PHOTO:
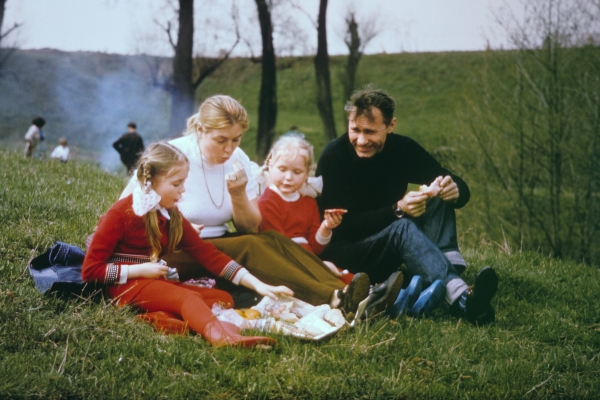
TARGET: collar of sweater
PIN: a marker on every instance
(287, 197)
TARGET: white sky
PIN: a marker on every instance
(127, 27)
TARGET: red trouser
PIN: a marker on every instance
(192, 303)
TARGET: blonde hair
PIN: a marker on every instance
(158, 160)
(290, 146)
(217, 112)
(62, 141)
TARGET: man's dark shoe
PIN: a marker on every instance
(383, 295)
(353, 294)
(478, 309)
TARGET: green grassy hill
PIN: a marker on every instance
(545, 343)
(89, 97)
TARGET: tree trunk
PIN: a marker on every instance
(353, 43)
(182, 91)
(2, 8)
(267, 109)
(324, 102)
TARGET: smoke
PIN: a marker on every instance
(98, 95)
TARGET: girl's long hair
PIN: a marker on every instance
(159, 159)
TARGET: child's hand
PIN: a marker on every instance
(332, 220)
(148, 270)
(334, 270)
(272, 291)
(252, 282)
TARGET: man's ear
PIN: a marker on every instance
(390, 127)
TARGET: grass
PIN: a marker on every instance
(545, 343)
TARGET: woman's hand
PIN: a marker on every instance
(237, 180)
(149, 270)
(197, 227)
(252, 282)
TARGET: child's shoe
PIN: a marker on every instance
(383, 295)
(407, 297)
(429, 299)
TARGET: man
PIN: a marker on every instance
(367, 172)
(130, 146)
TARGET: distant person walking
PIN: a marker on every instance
(61, 152)
(130, 146)
(34, 135)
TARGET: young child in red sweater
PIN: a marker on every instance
(148, 223)
(283, 207)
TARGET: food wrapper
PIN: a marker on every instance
(289, 316)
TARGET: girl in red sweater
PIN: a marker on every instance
(283, 207)
(148, 223)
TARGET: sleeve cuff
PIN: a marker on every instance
(123, 275)
(112, 273)
(239, 275)
(323, 240)
(230, 270)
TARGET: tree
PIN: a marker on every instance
(5, 52)
(536, 125)
(356, 39)
(267, 109)
(188, 71)
(324, 101)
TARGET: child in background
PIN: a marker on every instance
(285, 210)
(33, 136)
(61, 152)
(148, 223)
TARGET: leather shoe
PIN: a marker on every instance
(383, 295)
(478, 309)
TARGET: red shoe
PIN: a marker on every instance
(220, 333)
(165, 322)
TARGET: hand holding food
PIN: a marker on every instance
(449, 189)
(332, 220)
(340, 211)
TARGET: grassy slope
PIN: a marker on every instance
(545, 343)
(89, 97)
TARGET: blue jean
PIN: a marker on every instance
(419, 242)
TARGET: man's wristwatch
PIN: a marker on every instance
(398, 211)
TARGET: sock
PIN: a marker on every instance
(462, 301)
(335, 300)
(454, 289)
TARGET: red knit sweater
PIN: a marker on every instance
(296, 219)
(121, 231)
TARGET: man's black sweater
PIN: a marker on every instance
(369, 188)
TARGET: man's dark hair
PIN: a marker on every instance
(363, 101)
(132, 125)
(39, 122)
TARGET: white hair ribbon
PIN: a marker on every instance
(144, 202)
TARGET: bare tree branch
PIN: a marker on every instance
(14, 27)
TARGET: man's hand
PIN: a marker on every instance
(449, 190)
(413, 203)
